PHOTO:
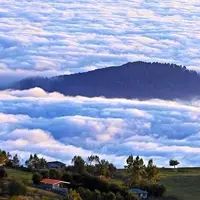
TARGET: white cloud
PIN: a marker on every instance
(54, 37)
(59, 127)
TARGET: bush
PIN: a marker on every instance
(44, 173)
(54, 174)
(110, 196)
(93, 183)
(131, 196)
(3, 173)
(67, 177)
(119, 196)
(16, 188)
(85, 194)
(73, 195)
(36, 178)
(96, 195)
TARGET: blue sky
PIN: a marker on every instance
(52, 37)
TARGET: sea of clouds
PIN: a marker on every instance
(51, 37)
(59, 127)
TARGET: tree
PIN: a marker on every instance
(103, 168)
(173, 163)
(34, 162)
(112, 169)
(36, 178)
(136, 168)
(73, 195)
(79, 164)
(3, 158)
(15, 161)
(93, 159)
(152, 172)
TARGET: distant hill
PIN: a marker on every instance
(132, 80)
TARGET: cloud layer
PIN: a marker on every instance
(59, 127)
(50, 37)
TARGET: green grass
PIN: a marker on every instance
(26, 178)
(183, 183)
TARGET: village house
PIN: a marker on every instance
(143, 195)
(57, 186)
(56, 165)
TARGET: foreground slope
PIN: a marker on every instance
(132, 80)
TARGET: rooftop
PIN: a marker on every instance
(52, 181)
(138, 191)
(56, 162)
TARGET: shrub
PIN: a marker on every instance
(85, 194)
(96, 195)
(73, 195)
(16, 188)
(119, 196)
(111, 196)
(67, 177)
(36, 178)
(3, 173)
(131, 196)
(44, 173)
(54, 174)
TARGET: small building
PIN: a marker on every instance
(56, 165)
(141, 193)
(57, 186)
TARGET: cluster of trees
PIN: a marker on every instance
(86, 194)
(9, 160)
(139, 172)
(93, 165)
(3, 157)
(90, 187)
(87, 185)
(34, 162)
(85, 176)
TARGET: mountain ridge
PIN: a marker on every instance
(140, 80)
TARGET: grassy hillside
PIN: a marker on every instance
(182, 184)
(26, 178)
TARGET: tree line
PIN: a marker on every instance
(90, 177)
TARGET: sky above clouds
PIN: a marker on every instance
(59, 127)
(51, 37)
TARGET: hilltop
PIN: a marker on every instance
(132, 80)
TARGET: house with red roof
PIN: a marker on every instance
(54, 185)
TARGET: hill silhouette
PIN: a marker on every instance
(132, 80)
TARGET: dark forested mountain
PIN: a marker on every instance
(132, 80)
